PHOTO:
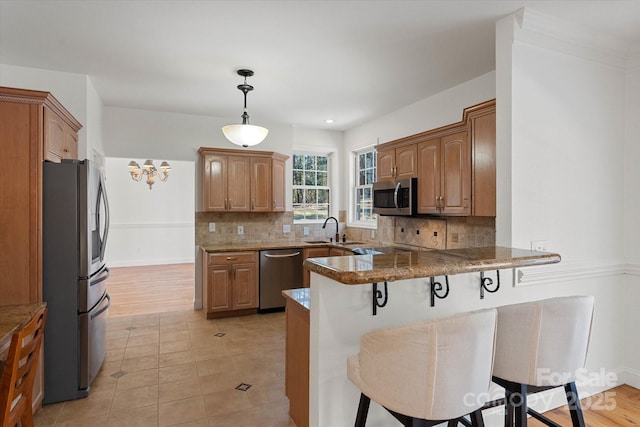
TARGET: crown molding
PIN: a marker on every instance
(540, 30)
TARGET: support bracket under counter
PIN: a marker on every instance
(377, 294)
(486, 282)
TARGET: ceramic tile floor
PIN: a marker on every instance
(177, 369)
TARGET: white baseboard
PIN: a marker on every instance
(142, 262)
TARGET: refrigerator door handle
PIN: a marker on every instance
(101, 277)
(102, 196)
(103, 309)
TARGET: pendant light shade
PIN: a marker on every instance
(245, 134)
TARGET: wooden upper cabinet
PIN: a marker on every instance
(483, 135)
(60, 140)
(444, 178)
(429, 170)
(214, 182)
(397, 163)
(386, 162)
(239, 184)
(261, 184)
(241, 181)
(406, 162)
(455, 164)
(278, 184)
(456, 175)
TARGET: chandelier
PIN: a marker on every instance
(149, 171)
(245, 134)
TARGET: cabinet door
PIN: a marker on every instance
(245, 286)
(278, 185)
(429, 171)
(456, 176)
(385, 165)
(239, 184)
(260, 184)
(60, 141)
(483, 137)
(215, 183)
(218, 288)
(406, 165)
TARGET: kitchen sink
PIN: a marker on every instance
(317, 242)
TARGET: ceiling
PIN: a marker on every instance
(350, 61)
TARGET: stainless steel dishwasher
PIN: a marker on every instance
(279, 269)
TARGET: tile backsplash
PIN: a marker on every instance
(433, 233)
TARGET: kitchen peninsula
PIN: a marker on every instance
(342, 297)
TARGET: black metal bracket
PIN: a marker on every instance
(486, 282)
(377, 295)
(437, 288)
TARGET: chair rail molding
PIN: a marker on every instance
(567, 271)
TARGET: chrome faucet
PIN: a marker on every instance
(325, 226)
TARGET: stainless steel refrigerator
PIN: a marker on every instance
(75, 217)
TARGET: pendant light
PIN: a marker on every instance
(245, 134)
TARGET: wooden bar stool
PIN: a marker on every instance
(539, 346)
(19, 373)
(428, 372)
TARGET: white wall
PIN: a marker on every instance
(150, 226)
(560, 168)
(632, 213)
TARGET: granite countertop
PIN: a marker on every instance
(14, 317)
(258, 246)
(301, 296)
(359, 269)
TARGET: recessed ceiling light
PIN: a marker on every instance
(329, 121)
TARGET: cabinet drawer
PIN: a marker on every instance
(231, 257)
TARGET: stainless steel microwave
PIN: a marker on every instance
(395, 197)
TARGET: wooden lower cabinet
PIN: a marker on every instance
(230, 283)
(297, 362)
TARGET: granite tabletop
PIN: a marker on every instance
(14, 317)
(359, 269)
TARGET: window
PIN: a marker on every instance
(310, 187)
(365, 170)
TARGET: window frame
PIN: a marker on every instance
(295, 187)
(355, 186)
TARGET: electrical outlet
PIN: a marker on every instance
(305, 231)
(539, 245)
(286, 228)
(212, 227)
(241, 229)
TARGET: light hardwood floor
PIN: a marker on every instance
(151, 289)
(168, 366)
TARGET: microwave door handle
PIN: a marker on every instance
(395, 195)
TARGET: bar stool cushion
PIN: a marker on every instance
(543, 343)
(434, 370)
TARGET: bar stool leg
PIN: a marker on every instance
(574, 405)
(476, 419)
(363, 410)
(508, 408)
(521, 407)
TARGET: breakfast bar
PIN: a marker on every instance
(400, 288)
